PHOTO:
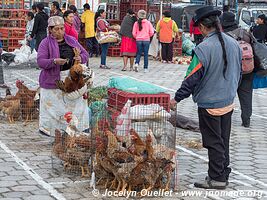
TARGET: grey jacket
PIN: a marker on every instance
(213, 90)
(127, 26)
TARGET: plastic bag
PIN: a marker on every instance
(146, 112)
(260, 58)
(259, 82)
(188, 46)
(124, 121)
(131, 85)
(8, 57)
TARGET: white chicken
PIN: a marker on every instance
(73, 123)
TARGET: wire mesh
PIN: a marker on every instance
(135, 146)
(23, 106)
(72, 153)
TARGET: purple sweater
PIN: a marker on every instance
(47, 52)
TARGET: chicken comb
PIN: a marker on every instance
(67, 114)
(19, 82)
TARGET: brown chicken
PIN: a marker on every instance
(102, 158)
(71, 155)
(75, 80)
(149, 148)
(11, 108)
(29, 106)
(139, 146)
(146, 174)
(167, 171)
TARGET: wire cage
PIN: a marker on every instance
(135, 146)
(72, 153)
(22, 106)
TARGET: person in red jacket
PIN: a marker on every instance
(198, 37)
(69, 27)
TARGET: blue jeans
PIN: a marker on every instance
(32, 44)
(104, 52)
(142, 46)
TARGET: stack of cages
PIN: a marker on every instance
(113, 17)
(135, 143)
(12, 24)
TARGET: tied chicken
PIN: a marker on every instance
(75, 80)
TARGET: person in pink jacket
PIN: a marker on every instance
(142, 32)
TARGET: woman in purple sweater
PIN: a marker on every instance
(55, 58)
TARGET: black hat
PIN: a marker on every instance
(205, 11)
(228, 19)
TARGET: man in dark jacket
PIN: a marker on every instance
(40, 25)
(260, 30)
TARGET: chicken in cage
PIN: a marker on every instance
(24, 105)
(139, 151)
(72, 149)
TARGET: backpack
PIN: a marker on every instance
(247, 52)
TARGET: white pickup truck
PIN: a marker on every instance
(248, 15)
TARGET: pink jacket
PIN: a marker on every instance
(70, 30)
(146, 32)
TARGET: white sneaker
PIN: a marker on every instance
(136, 67)
(145, 70)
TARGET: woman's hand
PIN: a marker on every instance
(173, 104)
(78, 58)
(60, 61)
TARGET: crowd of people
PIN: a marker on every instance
(213, 77)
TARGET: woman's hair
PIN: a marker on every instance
(30, 14)
(98, 14)
(66, 13)
(34, 7)
(130, 11)
(40, 6)
(56, 4)
(73, 8)
(213, 22)
(139, 21)
(262, 17)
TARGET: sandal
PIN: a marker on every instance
(131, 68)
(124, 69)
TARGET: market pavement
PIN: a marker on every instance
(25, 156)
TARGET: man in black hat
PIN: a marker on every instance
(212, 79)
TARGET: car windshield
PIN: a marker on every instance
(256, 13)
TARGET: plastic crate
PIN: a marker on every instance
(124, 7)
(13, 32)
(137, 7)
(13, 13)
(11, 49)
(114, 51)
(13, 23)
(118, 98)
(138, 1)
(12, 4)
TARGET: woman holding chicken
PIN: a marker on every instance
(55, 57)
